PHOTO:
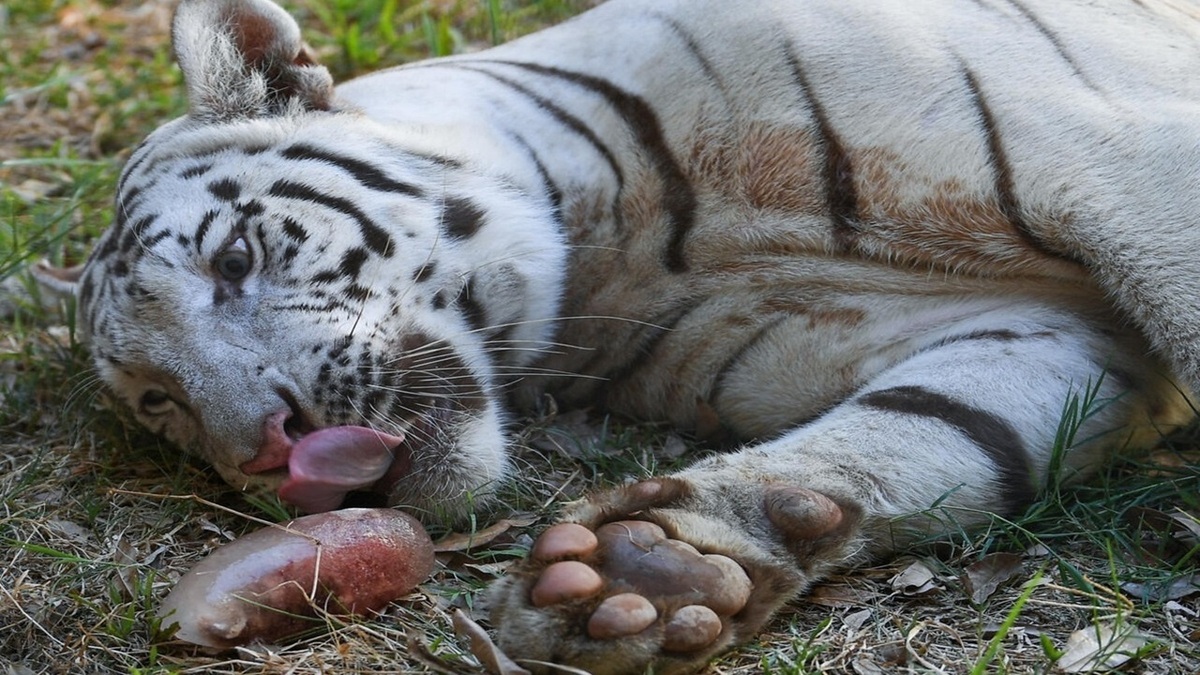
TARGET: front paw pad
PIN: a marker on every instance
(639, 581)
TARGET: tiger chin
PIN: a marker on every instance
(879, 246)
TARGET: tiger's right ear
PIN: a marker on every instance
(245, 58)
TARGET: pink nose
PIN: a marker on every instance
(275, 448)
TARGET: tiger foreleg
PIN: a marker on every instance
(668, 572)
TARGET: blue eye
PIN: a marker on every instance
(235, 262)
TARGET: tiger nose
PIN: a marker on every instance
(275, 448)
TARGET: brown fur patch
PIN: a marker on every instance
(766, 167)
(944, 224)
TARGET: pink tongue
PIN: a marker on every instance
(328, 463)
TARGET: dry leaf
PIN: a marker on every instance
(981, 579)
(1164, 536)
(864, 666)
(128, 573)
(465, 541)
(1099, 648)
(71, 531)
(856, 620)
(492, 658)
(571, 434)
(1171, 589)
(1189, 527)
(673, 448)
(916, 579)
(1038, 551)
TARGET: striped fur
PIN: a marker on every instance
(879, 245)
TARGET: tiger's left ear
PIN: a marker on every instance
(245, 58)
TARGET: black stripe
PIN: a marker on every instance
(425, 272)
(327, 276)
(358, 292)
(368, 175)
(1006, 191)
(87, 289)
(374, 236)
(996, 437)
(1000, 334)
(250, 208)
(559, 114)
(294, 230)
(225, 189)
(129, 199)
(202, 228)
(693, 48)
(997, 157)
(134, 234)
(841, 193)
(735, 359)
(352, 262)
(678, 197)
(151, 241)
(1053, 39)
(651, 335)
(139, 155)
(548, 184)
(472, 311)
(461, 217)
(198, 170)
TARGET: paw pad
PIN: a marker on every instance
(566, 580)
(620, 615)
(649, 579)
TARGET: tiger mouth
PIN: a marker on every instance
(327, 464)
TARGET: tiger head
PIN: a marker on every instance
(311, 301)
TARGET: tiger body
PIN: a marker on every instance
(884, 246)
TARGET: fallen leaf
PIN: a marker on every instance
(492, 658)
(856, 620)
(1171, 589)
(209, 526)
(1038, 551)
(673, 448)
(1099, 648)
(128, 572)
(916, 579)
(71, 531)
(1190, 527)
(571, 434)
(981, 579)
(864, 666)
(990, 629)
(465, 541)
(1163, 536)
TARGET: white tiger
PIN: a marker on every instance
(881, 244)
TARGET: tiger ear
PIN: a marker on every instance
(245, 58)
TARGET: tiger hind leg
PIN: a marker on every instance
(669, 572)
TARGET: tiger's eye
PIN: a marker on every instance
(235, 262)
(155, 402)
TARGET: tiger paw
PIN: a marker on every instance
(643, 578)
